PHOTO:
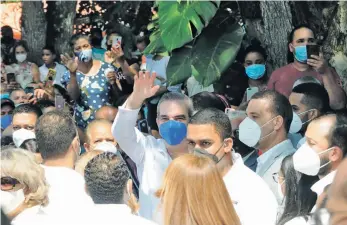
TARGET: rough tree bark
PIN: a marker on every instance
(60, 17)
(34, 29)
(271, 21)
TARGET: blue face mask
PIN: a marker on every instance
(173, 132)
(6, 121)
(84, 55)
(5, 95)
(301, 53)
(255, 71)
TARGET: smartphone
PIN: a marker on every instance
(232, 113)
(250, 92)
(142, 125)
(312, 50)
(11, 77)
(116, 41)
(51, 74)
(59, 102)
(29, 90)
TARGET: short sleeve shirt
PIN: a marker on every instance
(282, 79)
(95, 93)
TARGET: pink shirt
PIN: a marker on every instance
(282, 79)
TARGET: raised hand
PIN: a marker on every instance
(70, 63)
(318, 63)
(144, 85)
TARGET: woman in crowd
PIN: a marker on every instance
(255, 69)
(193, 192)
(51, 71)
(23, 185)
(91, 83)
(119, 55)
(296, 190)
(26, 73)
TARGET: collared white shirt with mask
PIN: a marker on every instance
(60, 70)
(270, 163)
(149, 154)
(253, 200)
(319, 186)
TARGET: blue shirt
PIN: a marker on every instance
(94, 93)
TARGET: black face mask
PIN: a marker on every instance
(203, 152)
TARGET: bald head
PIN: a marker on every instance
(107, 113)
(98, 131)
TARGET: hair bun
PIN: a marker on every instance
(255, 42)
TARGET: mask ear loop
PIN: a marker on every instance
(265, 125)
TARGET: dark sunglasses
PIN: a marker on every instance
(8, 182)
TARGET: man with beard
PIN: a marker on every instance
(324, 150)
(308, 101)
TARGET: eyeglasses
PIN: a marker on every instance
(8, 183)
(276, 177)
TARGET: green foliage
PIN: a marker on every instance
(180, 28)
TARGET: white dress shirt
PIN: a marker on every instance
(253, 200)
(270, 163)
(319, 186)
(149, 154)
(119, 214)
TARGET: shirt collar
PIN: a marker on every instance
(319, 186)
(119, 208)
(274, 152)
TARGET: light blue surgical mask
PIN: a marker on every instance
(84, 55)
(5, 95)
(255, 71)
(301, 53)
(173, 132)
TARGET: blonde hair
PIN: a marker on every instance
(21, 165)
(194, 193)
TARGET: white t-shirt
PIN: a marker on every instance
(60, 70)
(253, 200)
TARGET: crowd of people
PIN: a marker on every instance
(100, 138)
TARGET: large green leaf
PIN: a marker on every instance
(179, 67)
(214, 51)
(176, 20)
(156, 44)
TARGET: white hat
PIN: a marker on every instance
(21, 135)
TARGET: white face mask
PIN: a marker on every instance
(106, 146)
(21, 135)
(297, 123)
(307, 161)
(250, 132)
(21, 57)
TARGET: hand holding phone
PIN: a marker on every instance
(11, 78)
(116, 41)
(59, 102)
(250, 92)
(142, 125)
(232, 113)
(312, 50)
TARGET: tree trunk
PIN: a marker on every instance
(60, 17)
(34, 29)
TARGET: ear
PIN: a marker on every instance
(279, 122)
(312, 114)
(129, 186)
(291, 47)
(86, 147)
(336, 154)
(228, 145)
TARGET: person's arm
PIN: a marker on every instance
(337, 96)
(129, 138)
(72, 87)
(36, 73)
(271, 82)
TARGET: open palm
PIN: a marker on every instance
(70, 63)
(144, 85)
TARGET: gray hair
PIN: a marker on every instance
(177, 97)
